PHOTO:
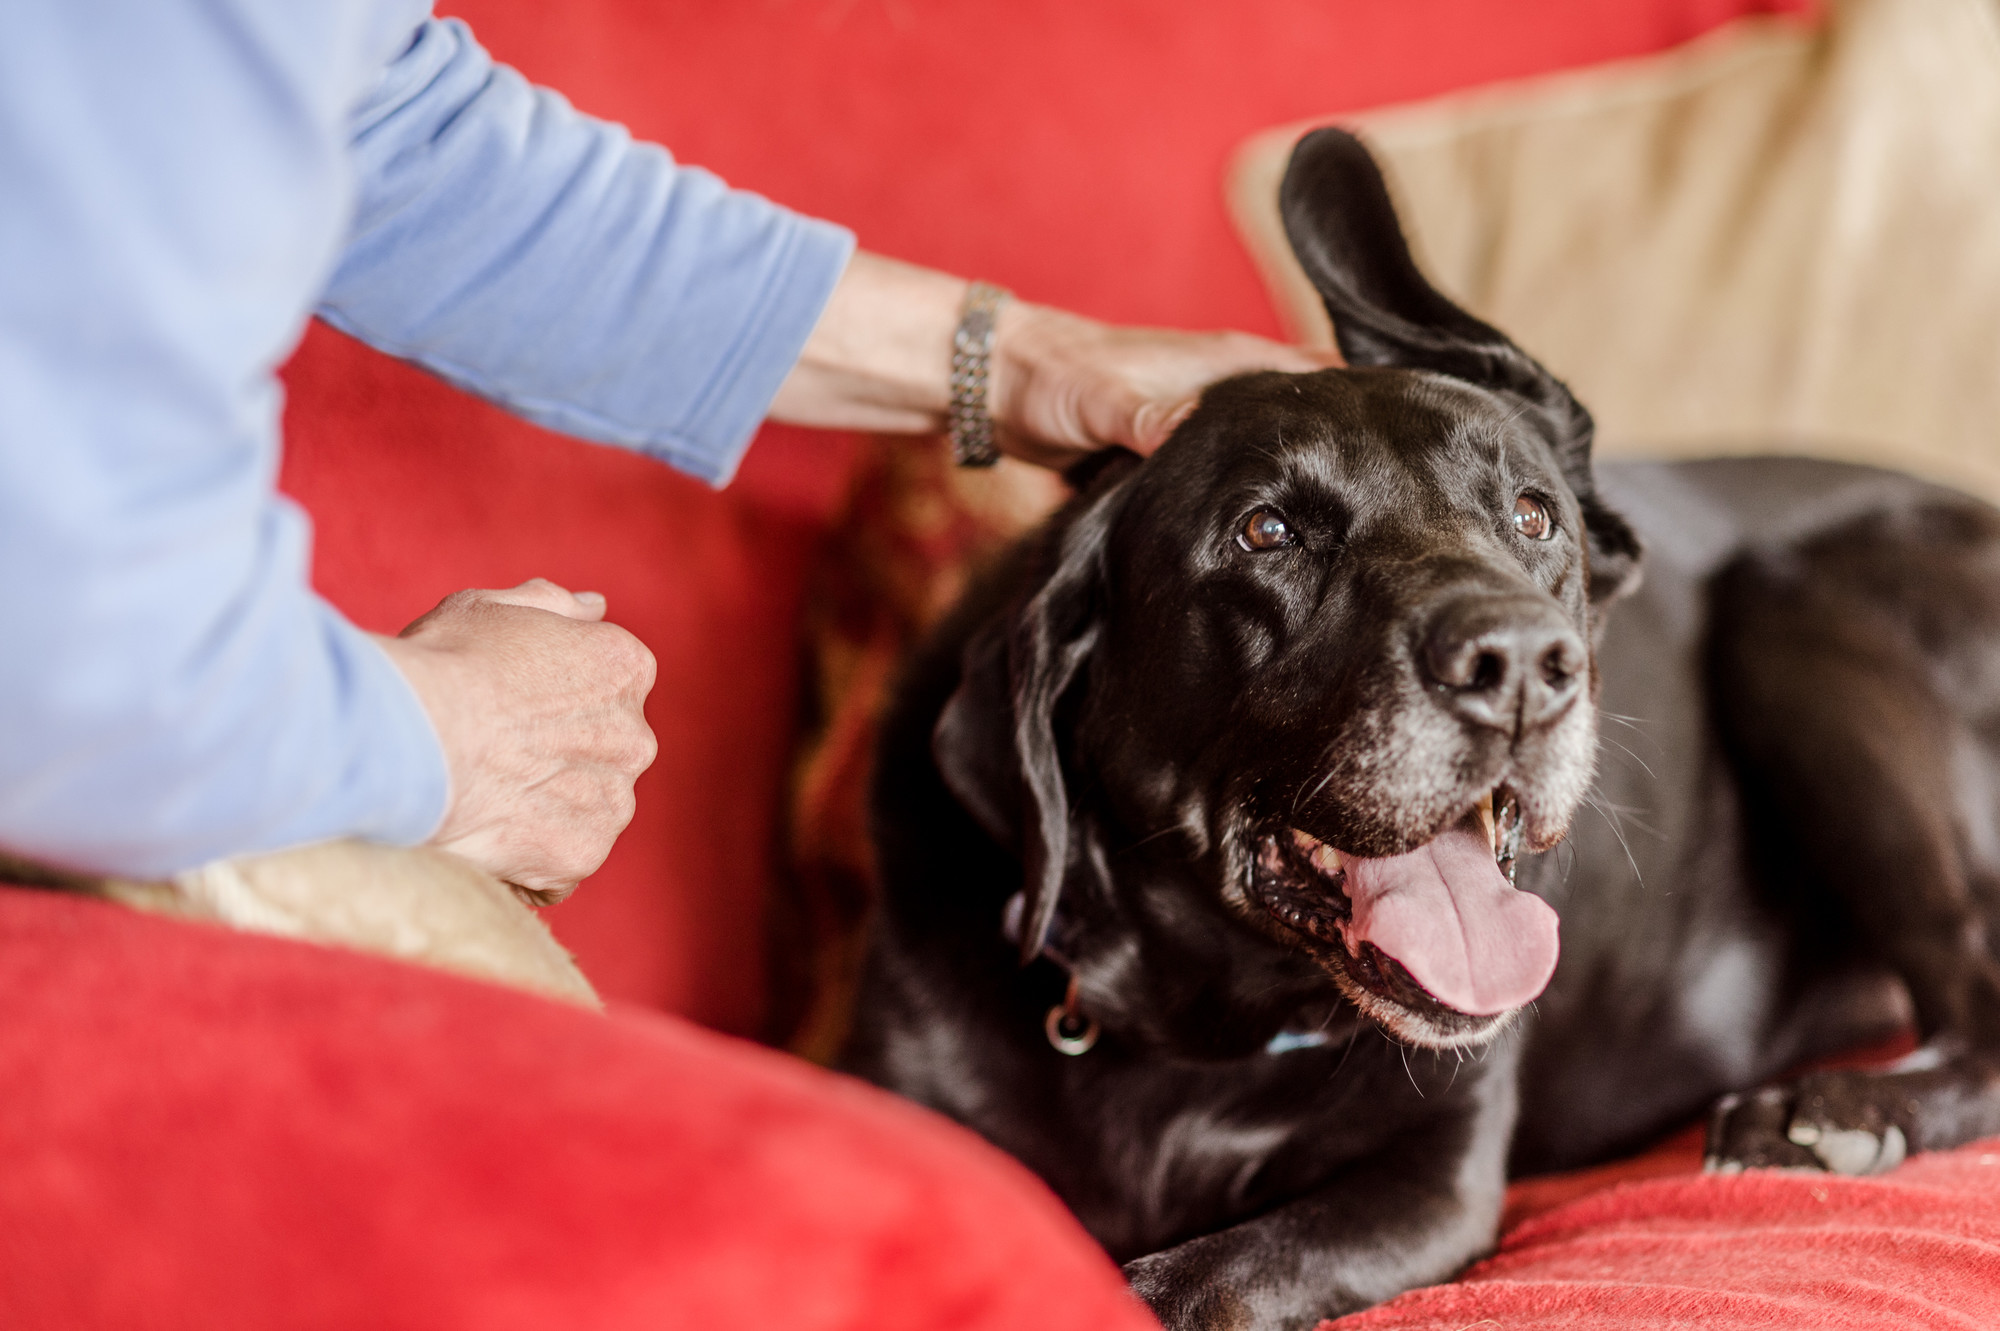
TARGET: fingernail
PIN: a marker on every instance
(590, 598)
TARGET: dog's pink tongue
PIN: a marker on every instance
(1447, 913)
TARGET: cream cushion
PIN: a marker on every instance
(1780, 238)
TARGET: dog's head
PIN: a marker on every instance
(1337, 634)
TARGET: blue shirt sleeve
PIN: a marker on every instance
(545, 260)
(173, 192)
(181, 182)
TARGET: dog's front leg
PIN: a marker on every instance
(1410, 1214)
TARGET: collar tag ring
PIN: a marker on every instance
(1069, 1030)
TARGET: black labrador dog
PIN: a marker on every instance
(1224, 828)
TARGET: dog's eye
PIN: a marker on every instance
(1532, 520)
(1266, 530)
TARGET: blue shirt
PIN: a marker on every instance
(182, 184)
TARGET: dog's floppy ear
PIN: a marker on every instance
(1342, 226)
(995, 742)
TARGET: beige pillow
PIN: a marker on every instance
(1777, 238)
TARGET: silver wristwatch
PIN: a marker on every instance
(971, 352)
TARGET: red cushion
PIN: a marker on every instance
(214, 1131)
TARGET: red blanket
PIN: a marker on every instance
(1919, 1247)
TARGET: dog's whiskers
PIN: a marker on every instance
(1611, 820)
(1498, 436)
(1305, 796)
(1168, 830)
(1629, 813)
(1352, 1036)
(1606, 739)
(1637, 725)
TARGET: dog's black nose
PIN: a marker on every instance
(1508, 663)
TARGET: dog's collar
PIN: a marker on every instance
(1284, 1042)
(1073, 1031)
(1069, 1028)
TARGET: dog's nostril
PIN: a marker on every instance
(1557, 669)
(1470, 659)
(1467, 665)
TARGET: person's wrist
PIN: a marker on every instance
(1008, 365)
(1028, 340)
(428, 671)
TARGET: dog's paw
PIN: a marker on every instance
(1840, 1122)
(1184, 1295)
(1752, 1132)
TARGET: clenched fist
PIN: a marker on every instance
(539, 706)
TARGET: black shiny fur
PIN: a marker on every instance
(1784, 842)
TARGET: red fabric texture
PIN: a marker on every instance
(1072, 152)
(215, 1131)
(1916, 1249)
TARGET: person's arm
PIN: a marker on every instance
(1060, 384)
(542, 258)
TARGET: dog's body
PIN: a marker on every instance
(1241, 754)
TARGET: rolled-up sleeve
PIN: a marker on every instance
(545, 260)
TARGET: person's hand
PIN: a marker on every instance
(539, 707)
(1062, 385)
(1059, 385)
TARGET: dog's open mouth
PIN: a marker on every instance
(1438, 931)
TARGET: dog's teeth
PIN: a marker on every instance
(1317, 853)
(1485, 807)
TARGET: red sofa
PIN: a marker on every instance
(207, 1130)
